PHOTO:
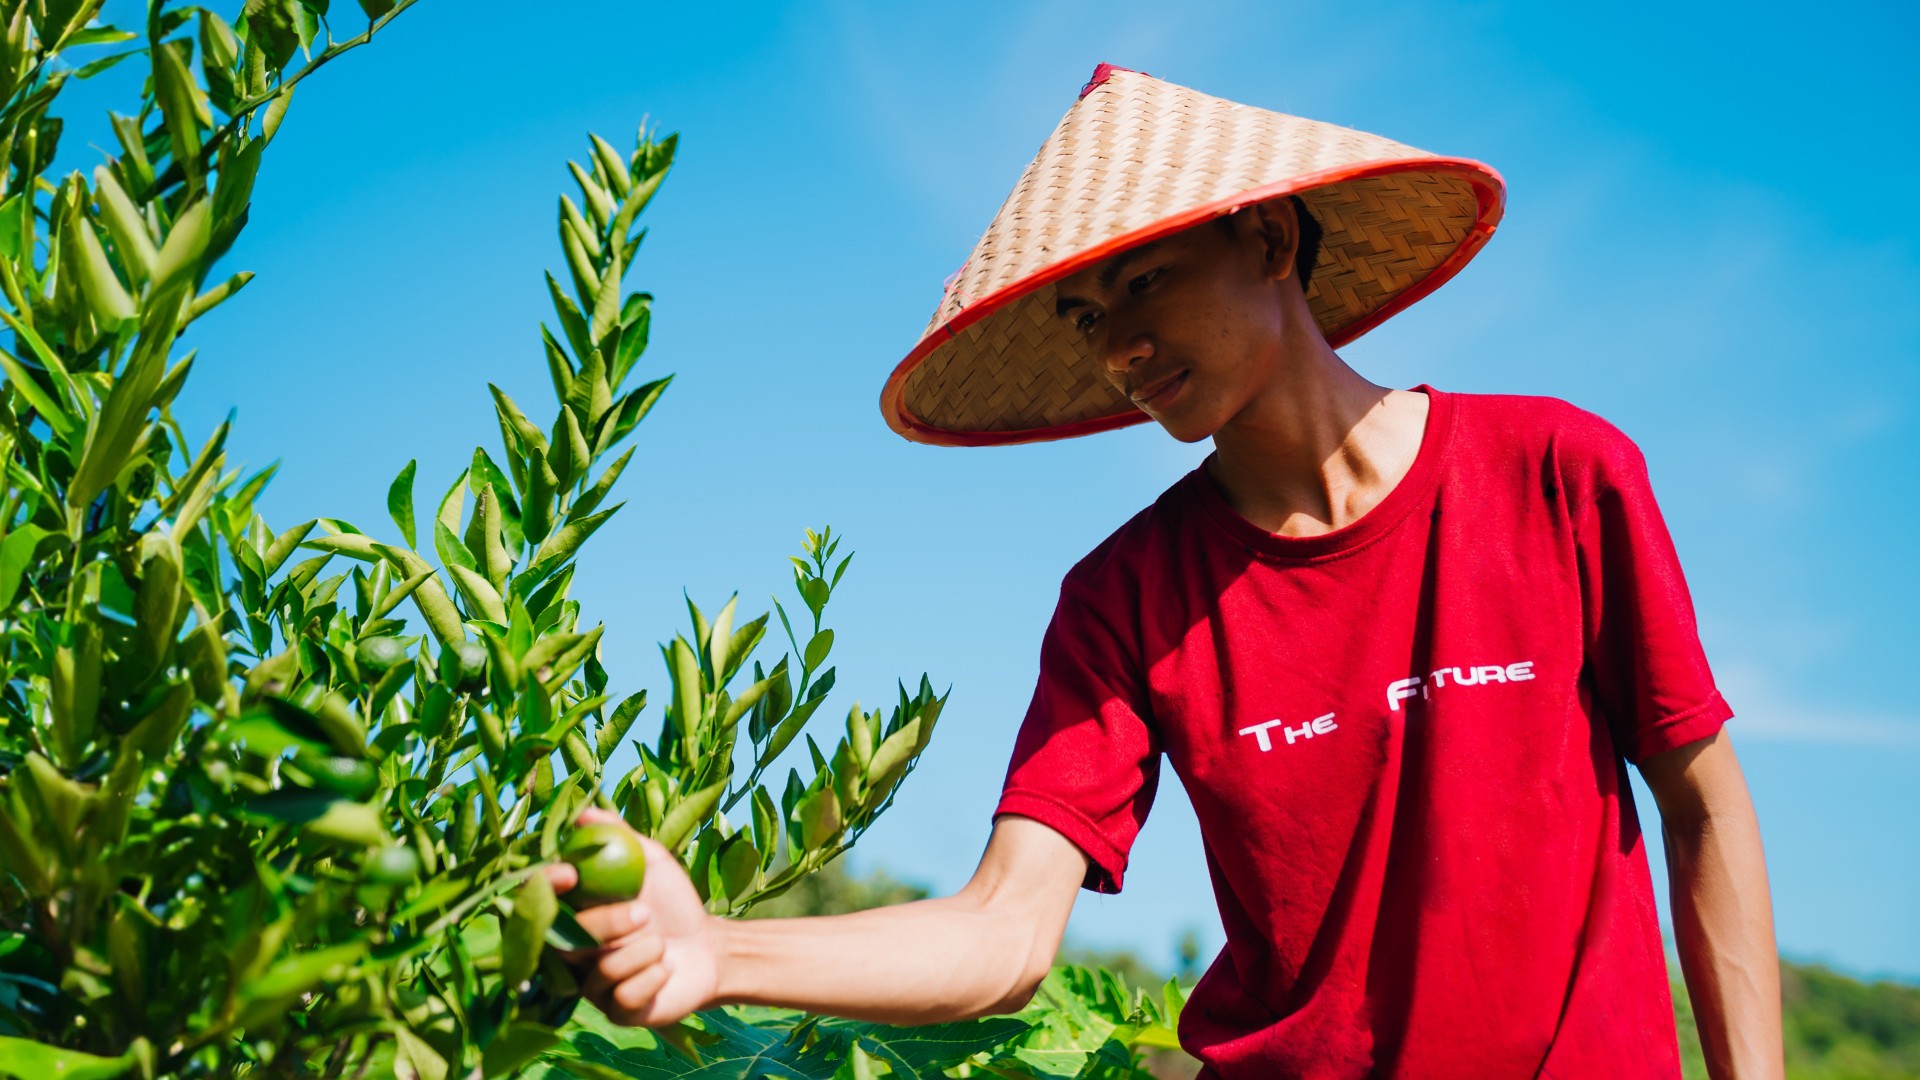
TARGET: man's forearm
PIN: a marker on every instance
(924, 962)
(1723, 927)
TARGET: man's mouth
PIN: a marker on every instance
(1156, 394)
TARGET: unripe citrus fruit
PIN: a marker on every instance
(610, 861)
(464, 665)
(381, 654)
(395, 865)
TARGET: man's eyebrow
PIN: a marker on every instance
(1109, 274)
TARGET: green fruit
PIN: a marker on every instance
(610, 861)
(464, 666)
(395, 865)
(379, 655)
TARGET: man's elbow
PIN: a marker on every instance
(1019, 992)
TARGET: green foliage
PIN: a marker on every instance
(1836, 1028)
(255, 818)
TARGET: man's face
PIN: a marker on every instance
(1189, 326)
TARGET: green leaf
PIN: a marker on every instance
(400, 502)
(572, 323)
(594, 495)
(817, 649)
(179, 257)
(116, 428)
(376, 9)
(299, 973)
(452, 552)
(483, 473)
(607, 740)
(102, 288)
(272, 26)
(24, 1057)
(16, 554)
(688, 815)
(23, 382)
(819, 817)
(560, 546)
(524, 934)
(181, 103)
(634, 408)
(482, 598)
(515, 1046)
(927, 1051)
(131, 237)
(414, 1058)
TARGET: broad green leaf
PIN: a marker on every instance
(181, 103)
(560, 546)
(593, 496)
(607, 739)
(819, 817)
(272, 25)
(16, 554)
(483, 599)
(451, 550)
(688, 815)
(56, 415)
(516, 1045)
(414, 1058)
(525, 932)
(104, 292)
(634, 408)
(116, 429)
(26, 1058)
(178, 259)
(400, 502)
(298, 973)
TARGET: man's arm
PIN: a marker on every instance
(981, 951)
(1722, 911)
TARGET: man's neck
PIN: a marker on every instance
(1318, 447)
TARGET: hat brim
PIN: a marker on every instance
(1490, 199)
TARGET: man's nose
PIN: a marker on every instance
(1126, 351)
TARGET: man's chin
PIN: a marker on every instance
(1185, 429)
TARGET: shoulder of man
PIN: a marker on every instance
(1584, 448)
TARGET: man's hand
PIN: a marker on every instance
(659, 957)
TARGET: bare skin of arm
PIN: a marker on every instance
(1722, 911)
(978, 952)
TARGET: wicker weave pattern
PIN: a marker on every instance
(1136, 151)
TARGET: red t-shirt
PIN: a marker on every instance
(1406, 743)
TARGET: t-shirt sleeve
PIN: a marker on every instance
(1087, 758)
(1649, 672)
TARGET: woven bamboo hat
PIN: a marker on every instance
(1135, 159)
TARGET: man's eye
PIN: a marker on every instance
(1085, 320)
(1144, 280)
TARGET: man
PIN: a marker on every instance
(1399, 644)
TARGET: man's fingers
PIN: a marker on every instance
(608, 923)
(634, 957)
(562, 876)
(632, 1000)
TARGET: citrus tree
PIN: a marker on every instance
(272, 801)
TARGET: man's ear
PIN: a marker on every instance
(1276, 227)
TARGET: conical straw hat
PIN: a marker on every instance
(1135, 159)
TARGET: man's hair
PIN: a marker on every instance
(1309, 250)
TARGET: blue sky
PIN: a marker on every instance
(1707, 241)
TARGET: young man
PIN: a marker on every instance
(1399, 644)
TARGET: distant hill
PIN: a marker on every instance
(1837, 1028)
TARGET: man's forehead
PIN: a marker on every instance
(1102, 275)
